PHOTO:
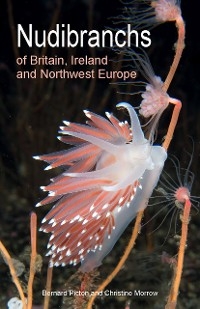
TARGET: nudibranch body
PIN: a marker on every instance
(108, 176)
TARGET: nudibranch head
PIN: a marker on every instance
(107, 178)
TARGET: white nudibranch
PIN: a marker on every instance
(108, 177)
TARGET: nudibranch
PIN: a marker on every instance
(108, 176)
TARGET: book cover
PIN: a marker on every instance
(84, 71)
